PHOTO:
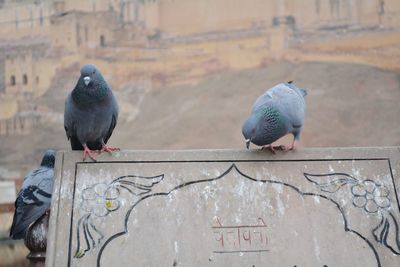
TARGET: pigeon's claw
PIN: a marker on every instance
(293, 146)
(87, 152)
(273, 148)
(105, 148)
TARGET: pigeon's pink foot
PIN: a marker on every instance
(292, 147)
(87, 152)
(273, 148)
(105, 148)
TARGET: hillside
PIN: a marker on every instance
(348, 105)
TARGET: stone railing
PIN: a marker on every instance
(337, 206)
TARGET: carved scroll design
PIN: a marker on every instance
(368, 195)
(101, 199)
(140, 188)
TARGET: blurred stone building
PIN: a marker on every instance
(216, 15)
(97, 22)
(40, 37)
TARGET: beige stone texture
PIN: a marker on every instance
(312, 207)
(8, 107)
(183, 17)
(8, 193)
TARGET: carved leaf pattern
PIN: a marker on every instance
(88, 236)
(137, 185)
(100, 199)
(371, 197)
(387, 233)
(330, 182)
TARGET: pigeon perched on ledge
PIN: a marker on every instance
(279, 111)
(91, 113)
(34, 198)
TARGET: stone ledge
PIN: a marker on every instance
(338, 206)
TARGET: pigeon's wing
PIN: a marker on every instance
(25, 214)
(19, 225)
(111, 129)
(114, 120)
(290, 101)
(69, 124)
(69, 118)
(271, 95)
(34, 173)
(262, 100)
(33, 200)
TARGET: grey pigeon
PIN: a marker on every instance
(279, 111)
(34, 198)
(91, 113)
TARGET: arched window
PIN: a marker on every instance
(24, 79)
(12, 80)
(37, 79)
(102, 41)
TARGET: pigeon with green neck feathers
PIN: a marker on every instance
(91, 113)
(276, 113)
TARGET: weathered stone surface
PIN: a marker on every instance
(312, 207)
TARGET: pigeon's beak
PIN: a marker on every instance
(86, 80)
(247, 141)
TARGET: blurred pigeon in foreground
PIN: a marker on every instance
(279, 111)
(91, 113)
(34, 198)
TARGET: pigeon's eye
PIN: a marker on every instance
(94, 71)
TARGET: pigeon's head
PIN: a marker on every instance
(90, 74)
(48, 158)
(249, 130)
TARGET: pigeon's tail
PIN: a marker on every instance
(303, 92)
(16, 231)
(76, 145)
(19, 235)
(293, 86)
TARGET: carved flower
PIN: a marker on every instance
(100, 199)
(370, 196)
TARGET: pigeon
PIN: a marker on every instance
(279, 111)
(34, 198)
(91, 113)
